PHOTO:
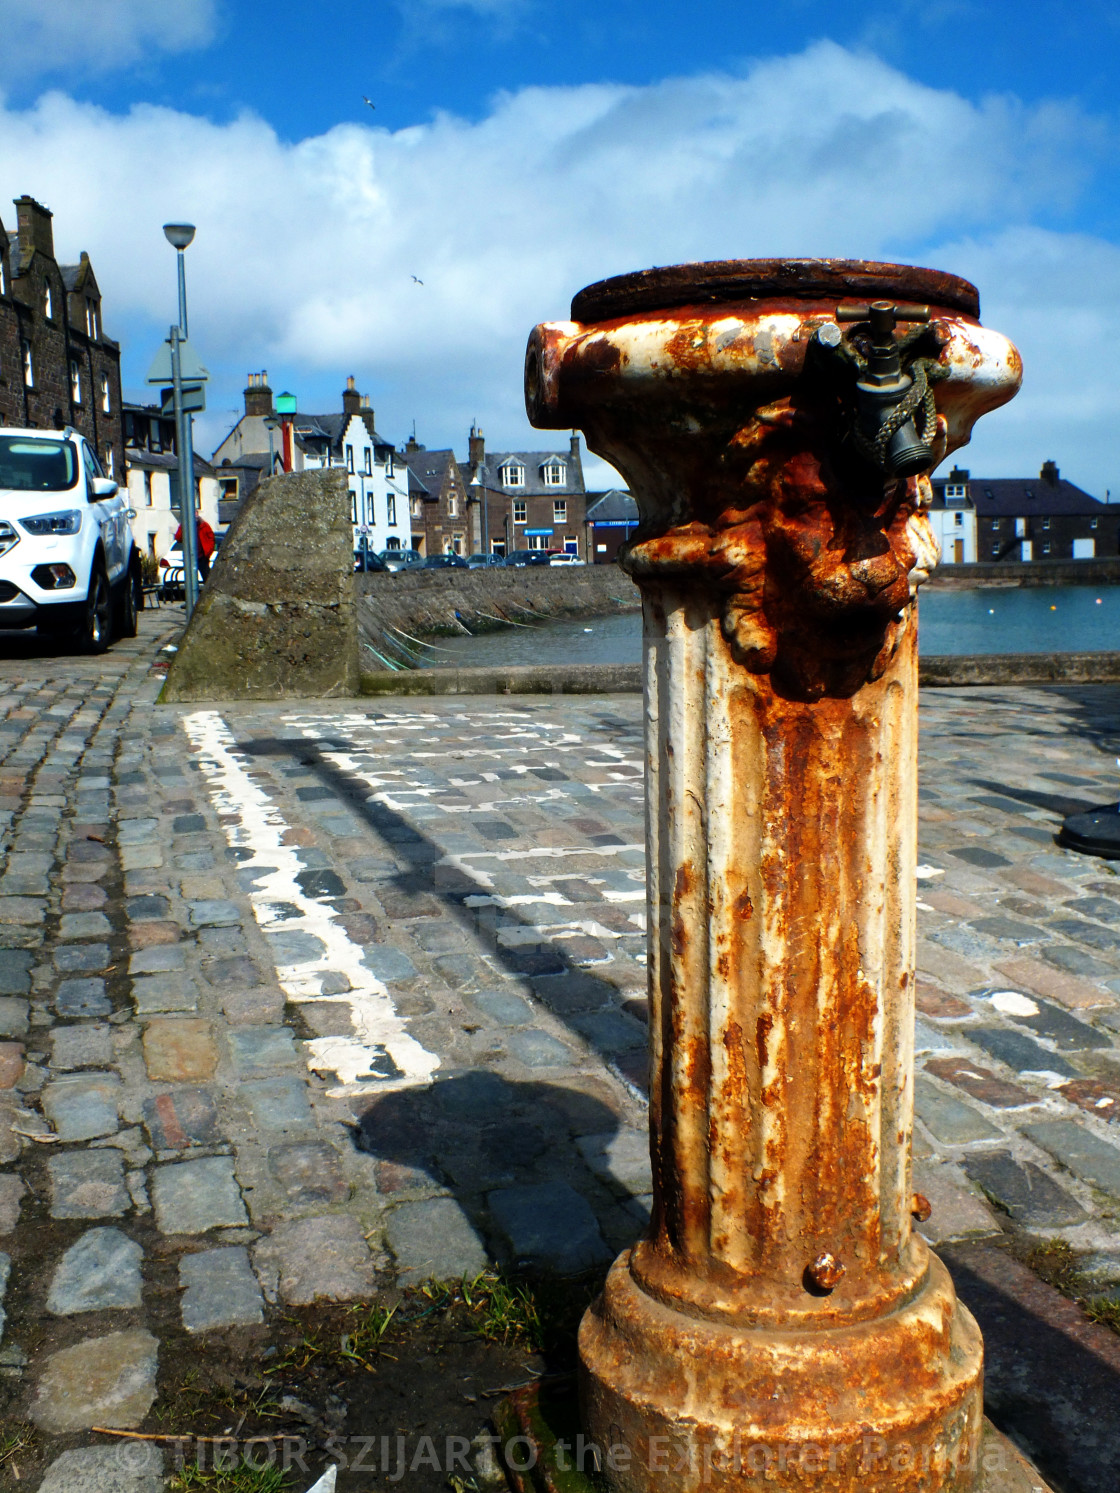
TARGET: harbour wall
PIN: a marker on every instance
(1098, 572)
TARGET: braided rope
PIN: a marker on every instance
(874, 449)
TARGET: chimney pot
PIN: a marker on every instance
(258, 396)
(351, 399)
(1049, 473)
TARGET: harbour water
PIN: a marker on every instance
(1055, 619)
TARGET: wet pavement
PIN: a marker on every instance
(299, 1001)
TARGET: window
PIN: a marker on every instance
(559, 511)
(109, 464)
(28, 366)
(513, 474)
(1046, 548)
(995, 551)
(457, 544)
(1092, 523)
(392, 543)
(48, 305)
(152, 545)
(391, 516)
(75, 381)
(91, 318)
(538, 542)
(368, 462)
(3, 276)
(519, 511)
(1045, 523)
(958, 519)
(105, 405)
(349, 458)
(554, 474)
(955, 491)
(147, 489)
(452, 506)
(389, 468)
(369, 508)
(416, 507)
(353, 506)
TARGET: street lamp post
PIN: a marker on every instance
(179, 236)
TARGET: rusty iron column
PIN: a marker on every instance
(776, 422)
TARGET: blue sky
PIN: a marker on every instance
(520, 148)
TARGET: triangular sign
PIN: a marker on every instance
(191, 370)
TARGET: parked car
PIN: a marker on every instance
(526, 557)
(483, 562)
(68, 564)
(445, 562)
(401, 559)
(559, 557)
(368, 561)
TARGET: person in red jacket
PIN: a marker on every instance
(205, 546)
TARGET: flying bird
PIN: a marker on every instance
(368, 101)
(418, 279)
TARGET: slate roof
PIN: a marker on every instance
(534, 484)
(615, 506)
(428, 469)
(315, 429)
(164, 461)
(1020, 497)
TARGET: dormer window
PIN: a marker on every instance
(554, 474)
(513, 474)
(48, 304)
(91, 318)
(4, 277)
(956, 492)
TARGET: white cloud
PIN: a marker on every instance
(305, 251)
(49, 37)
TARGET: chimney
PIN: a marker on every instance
(1049, 473)
(959, 476)
(576, 461)
(412, 444)
(34, 226)
(476, 446)
(351, 399)
(258, 396)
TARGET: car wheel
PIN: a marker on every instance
(95, 628)
(126, 618)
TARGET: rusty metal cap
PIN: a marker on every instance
(731, 281)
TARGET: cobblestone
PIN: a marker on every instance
(101, 1271)
(403, 1016)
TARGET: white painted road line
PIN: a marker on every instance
(381, 1054)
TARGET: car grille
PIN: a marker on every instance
(8, 539)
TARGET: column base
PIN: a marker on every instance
(886, 1405)
(545, 1450)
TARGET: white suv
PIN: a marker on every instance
(68, 565)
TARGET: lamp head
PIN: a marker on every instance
(179, 235)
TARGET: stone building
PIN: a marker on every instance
(612, 517)
(533, 499)
(1022, 518)
(443, 520)
(57, 367)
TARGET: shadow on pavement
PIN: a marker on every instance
(493, 1145)
(1051, 1377)
(588, 1004)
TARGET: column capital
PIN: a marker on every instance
(777, 423)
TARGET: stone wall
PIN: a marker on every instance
(277, 618)
(1103, 571)
(435, 602)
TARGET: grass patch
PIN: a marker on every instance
(195, 1479)
(1053, 1261)
(14, 1440)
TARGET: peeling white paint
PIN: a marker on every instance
(381, 1054)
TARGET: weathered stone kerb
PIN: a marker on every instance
(278, 616)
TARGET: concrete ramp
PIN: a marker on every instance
(277, 619)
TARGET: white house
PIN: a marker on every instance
(952, 517)
(150, 463)
(376, 477)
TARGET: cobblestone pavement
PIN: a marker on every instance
(305, 999)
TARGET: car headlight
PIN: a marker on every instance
(67, 522)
